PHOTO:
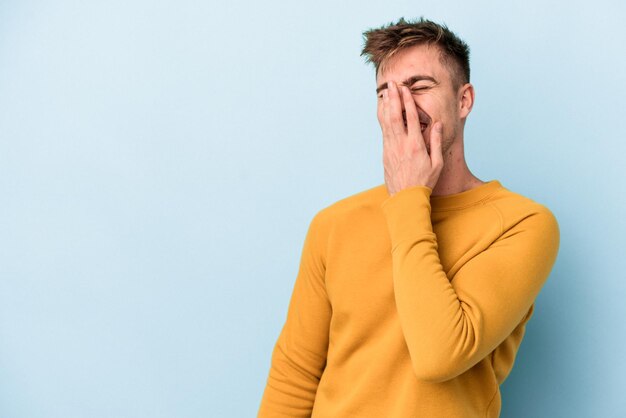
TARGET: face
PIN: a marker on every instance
(431, 87)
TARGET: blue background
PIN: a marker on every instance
(160, 162)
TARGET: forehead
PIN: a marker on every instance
(418, 59)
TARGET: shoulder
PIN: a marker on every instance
(361, 200)
(521, 213)
(362, 203)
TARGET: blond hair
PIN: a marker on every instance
(381, 44)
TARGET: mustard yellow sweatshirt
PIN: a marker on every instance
(410, 305)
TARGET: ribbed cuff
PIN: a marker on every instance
(408, 214)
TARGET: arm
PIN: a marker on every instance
(451, 326)
(299, 356)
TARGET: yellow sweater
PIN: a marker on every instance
(410, 305)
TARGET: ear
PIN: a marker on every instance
(465, 100)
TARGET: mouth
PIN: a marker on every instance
(423, 119)
(423, 125)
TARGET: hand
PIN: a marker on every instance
(405, 158)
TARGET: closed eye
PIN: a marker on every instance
(380, 96)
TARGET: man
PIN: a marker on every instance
(412, 297)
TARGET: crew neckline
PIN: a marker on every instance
(464, 199)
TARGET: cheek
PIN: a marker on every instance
(425, 104)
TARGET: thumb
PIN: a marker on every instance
(435, 144)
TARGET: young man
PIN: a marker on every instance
(412, 297)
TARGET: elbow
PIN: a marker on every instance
(437, 369)
(444, 360)
(431, 374)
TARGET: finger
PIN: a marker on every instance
(386, 131)
(436, 139)
(379, 110)
(383, 120)
(412, 119)
(386, 123)
(395, 110)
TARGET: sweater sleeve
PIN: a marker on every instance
(451, 324)
(299, 355)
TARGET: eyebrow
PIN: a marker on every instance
(409, 81)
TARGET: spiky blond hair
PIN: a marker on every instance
(381, 44)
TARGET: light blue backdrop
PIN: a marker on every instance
(160, 162)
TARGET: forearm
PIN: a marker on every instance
(452, 323)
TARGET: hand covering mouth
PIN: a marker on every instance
(424, 119)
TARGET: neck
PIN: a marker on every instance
(455, 176)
